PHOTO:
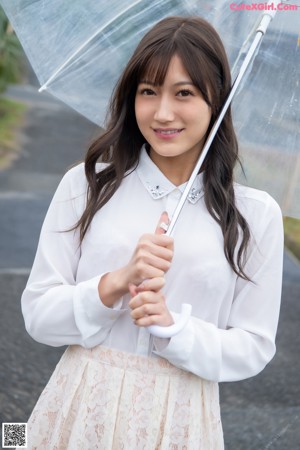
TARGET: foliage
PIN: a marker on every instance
(292, 235)
(11, 119)
(10, 53)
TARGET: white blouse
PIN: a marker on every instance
(231, 334)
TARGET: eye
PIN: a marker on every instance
(185, 93)
(146, 91)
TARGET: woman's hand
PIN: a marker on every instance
(148, 304)
(152, 256)
(151, 259)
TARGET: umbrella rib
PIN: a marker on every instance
(82, 46)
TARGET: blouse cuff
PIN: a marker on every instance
(90, 312)
(202, 356)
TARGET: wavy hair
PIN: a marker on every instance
(203, 55)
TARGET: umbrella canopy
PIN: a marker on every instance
(78, 50)
(267, 114)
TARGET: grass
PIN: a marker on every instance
(11, 118)
(292, 235)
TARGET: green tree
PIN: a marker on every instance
(10, 53)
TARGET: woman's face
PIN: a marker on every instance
(173, 119)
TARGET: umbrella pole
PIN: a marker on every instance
(167, 332)
(260, 32)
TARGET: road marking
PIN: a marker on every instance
(11, 195)
(15, 271)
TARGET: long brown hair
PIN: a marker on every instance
(202, 53)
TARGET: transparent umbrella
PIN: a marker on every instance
(78, 49)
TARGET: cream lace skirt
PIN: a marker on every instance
(107, 399)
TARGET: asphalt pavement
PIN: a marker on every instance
(259, 413)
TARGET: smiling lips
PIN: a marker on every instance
(167, 133)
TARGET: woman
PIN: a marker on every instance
(102, 275)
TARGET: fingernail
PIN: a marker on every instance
(164, 226)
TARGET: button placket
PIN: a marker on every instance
(172, 201)
(143, 342)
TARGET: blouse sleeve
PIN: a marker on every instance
(56, 310)
(248, 343)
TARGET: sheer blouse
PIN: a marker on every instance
(231, 334)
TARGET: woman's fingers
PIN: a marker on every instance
(149, 308)
(152, 263)
(152, 257)
(155, 250)
(152, 284)
(133, 289)
(158, 244)
(140, 299)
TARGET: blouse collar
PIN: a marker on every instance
(158, 185)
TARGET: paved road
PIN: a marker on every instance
(52, 139)
(259, 413)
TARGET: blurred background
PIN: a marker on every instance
(39, 139)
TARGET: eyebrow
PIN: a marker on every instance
(179, 83)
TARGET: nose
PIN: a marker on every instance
(164, 110)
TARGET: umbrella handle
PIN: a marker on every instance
(168, 332)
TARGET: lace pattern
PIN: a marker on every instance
(107, 399)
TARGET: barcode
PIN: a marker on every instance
(14, 435)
